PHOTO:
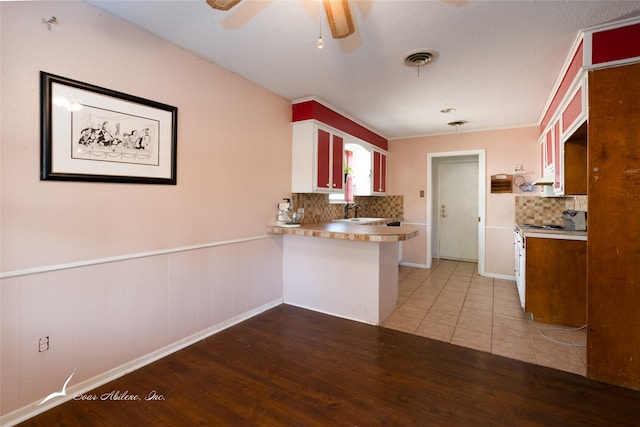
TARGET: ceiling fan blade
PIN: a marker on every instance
(222, 4)
(339, 17)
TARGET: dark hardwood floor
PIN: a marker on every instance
(294, 367)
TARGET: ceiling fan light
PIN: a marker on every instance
(339, 17)
(222, 4)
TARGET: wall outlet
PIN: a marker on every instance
(43, 344)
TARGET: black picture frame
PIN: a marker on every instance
(89, 133)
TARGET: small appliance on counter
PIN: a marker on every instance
(286, 216)
(574, 220)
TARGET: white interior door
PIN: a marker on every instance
(458, 210)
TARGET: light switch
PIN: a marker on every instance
(421, 193)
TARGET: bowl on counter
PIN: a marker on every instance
(289, 219)
(295, 217)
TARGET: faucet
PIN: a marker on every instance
(355, 206)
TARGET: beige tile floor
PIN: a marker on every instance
(450, 302)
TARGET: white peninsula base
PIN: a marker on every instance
(356, 280)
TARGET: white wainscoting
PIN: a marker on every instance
(107, 318)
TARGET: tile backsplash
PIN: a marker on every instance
(317, 207)
(547, 210)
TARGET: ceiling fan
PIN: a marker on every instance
(338, 15)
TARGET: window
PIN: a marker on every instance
(347, 194)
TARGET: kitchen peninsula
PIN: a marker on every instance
(343, 268)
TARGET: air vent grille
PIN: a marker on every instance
(418, 58)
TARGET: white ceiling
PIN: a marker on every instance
(498, 61)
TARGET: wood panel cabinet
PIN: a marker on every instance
(613, 343)
(556, 280)
(575, 162)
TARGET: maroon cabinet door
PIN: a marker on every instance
(379, 172)
(324, 153)
(337, 173)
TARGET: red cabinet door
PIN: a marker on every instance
(379, 172)
(337, 159)
(557, 164)
(383, 173)
(323, 159)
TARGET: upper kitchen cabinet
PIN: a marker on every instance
(318, 154)
(563, 129)
(368, 169)
(561, 163)
(320, 134)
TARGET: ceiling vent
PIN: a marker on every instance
(418, 58)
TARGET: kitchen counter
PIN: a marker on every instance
(345, 230)
(351, 271)
(543, 233)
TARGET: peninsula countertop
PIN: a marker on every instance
(345, 230)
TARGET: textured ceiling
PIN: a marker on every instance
(497, 63)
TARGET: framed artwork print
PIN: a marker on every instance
(89, 133)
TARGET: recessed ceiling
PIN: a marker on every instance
(497, 61)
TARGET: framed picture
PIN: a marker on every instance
(89, 133)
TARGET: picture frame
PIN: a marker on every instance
(90, 133)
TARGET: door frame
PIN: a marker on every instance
(482, 189)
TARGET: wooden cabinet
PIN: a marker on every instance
(317, 159)
(575, 162)
(556, 280)
(379, 172)
(613, 336)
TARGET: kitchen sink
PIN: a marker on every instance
(363, 220)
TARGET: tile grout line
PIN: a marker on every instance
(461, 308)
(434, 301)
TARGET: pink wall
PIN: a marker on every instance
(234, 143)
(234, 164)
(504, 150)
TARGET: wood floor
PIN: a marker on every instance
(294, 367)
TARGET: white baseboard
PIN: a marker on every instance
(492, 275)
(317, 310)
(31, 410)
(500, 276)
(412, 264)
